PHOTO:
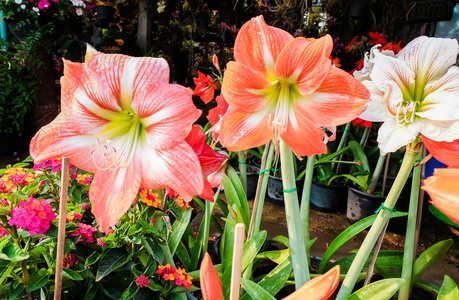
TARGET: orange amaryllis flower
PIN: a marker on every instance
(205, 87)
(215, 115)
(211, 285)
(446, 152)
(443, 189)
(319, 288)
(123, 121)
(211, 161)
(285, 87)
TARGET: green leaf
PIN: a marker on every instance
(244, 207)
(348, 234)
(5, 272)
(130, 292)
(276, 256)
(359, 155)
(379, 290)
(275, 280)
(152, 246)
(110, 261)
(429, 258)
(178, 229)
(37, 280)
(183, 255)
(91, 293)
(12, 252)
(441, 216)
(282, 240)
(448, 290)
(92, 259)
(226, 247)
(386, 258)
(71, 274)
(255, 291)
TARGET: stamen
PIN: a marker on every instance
(108, 156)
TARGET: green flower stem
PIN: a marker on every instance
(365, 134)
(292, 212)
(376, 228)
(305, 204)
(376, 173)
(342, 141)
(408, 254)
(261, 191)
(25, 273)
(206, 221)
(243, 169)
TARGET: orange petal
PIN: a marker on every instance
(112, 193)
(211, 285)
(169, 116)
(319, 288)
(241, 130)
(177, 168)
(257, 45)
(303, 137)
(443, 189)
(446, 152)
(340, 99)
(306, 62)
(243, 87)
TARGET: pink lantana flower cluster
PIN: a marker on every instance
(33, 215)
(55, 164)
(85, 231)
(177, 275)
(73, 216)
(15, 177)
(142, 281)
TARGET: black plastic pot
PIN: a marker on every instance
(328, 198)
(275, 190)
(252, 181)
(361, 204)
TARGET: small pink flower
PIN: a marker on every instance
(34, 215)
(85, 232)
(100, 242)
(3, 232)
(4, 202)
(73, 216)
(84, 206)
(142, 281)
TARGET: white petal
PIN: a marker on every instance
(430, 58)
(439, 131)
(388, 68)
(376, 110)
(392, 137)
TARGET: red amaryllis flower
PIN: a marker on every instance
(353, 44)
(446, 152)
(443, 189)
(319, 288)
(362, 123)
(212, 162)
(205, 87)
(211, 285)
(216, 114)
(376, 38)
(395, 47)
(124, 122)
(280, 87)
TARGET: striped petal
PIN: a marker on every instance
(112, 192)
(257, 45)
(446, 131)
(305, 62)
(376, 110)
(339, 99)
(429, 58)
(166, 111)
(244, 88)
(443, 189)
(392, 137)
(242, 130)
(177, 168)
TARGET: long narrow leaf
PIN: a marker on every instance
(178, 229)
(255, 291)
(429, 258)
(448, 290)
(379, 290)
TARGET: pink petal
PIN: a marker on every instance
(257, 45)
(112, 193)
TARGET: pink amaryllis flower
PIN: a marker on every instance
(280, 87)
(123, 121)
(443, 189)
(414, 92)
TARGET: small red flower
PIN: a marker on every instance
(353, 44)
(395, 47)
(205, 87)
(377, 38)
(358, 68)
(142, 281)
(70, 260)
(362, 123)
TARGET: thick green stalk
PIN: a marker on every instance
(243, 169)
(376, 173)
(376, 228)
(408, 252)
(366, 132)
(305, 204)
(292, 212)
